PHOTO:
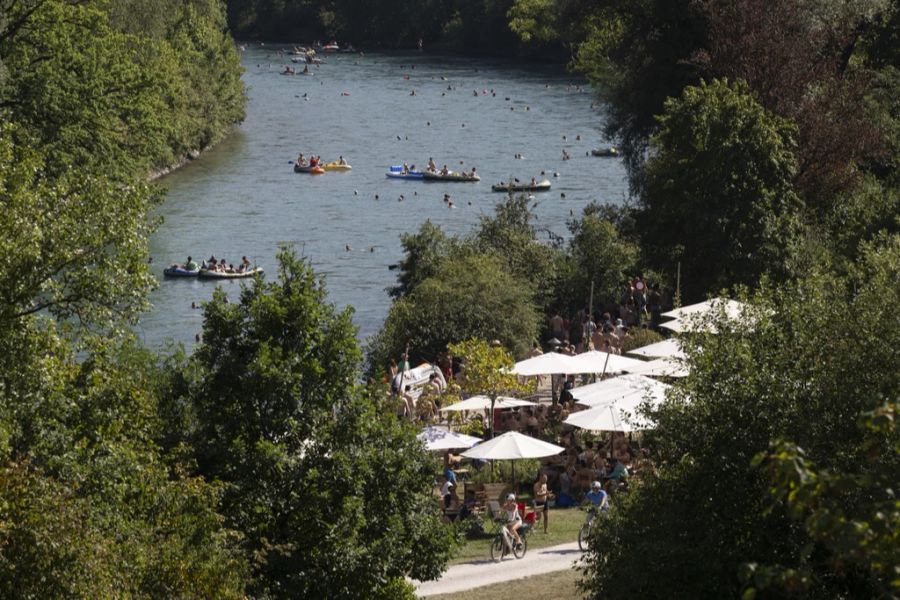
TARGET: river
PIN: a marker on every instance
(243, 198)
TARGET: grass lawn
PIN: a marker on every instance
(559, 585)
(564, 524)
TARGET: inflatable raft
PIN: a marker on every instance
(308, 169)
(179, 271)
(451, 176)
(539, 186)
(209, 274)
(336, 166)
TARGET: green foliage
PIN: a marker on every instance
(820, 352)
(315, 475)
(90, 505)
(474, 296)
(74, 244)
(718, 194)
(598, 253)
(424, 251)
(638, 338)
(511, 236)
(855, 516)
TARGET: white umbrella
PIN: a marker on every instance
(600, 362)
(661, 367)
(610, 417)
(512, 445)
(544, 364)
(484, 403)
(620, 388)
(663, 349)
(439, 438)
(733, 309)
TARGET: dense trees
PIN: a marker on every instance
(331, 496)
(818, 354)
(717, 191)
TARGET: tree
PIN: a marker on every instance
(73, 244)
(424, 252)
(814, 356)
(511, 236)
(598, 253)
(304, 454)
(865, 536)
(473, 296)
(718, 192)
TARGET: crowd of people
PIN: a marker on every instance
(222, 266)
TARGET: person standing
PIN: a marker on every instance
(542, 497)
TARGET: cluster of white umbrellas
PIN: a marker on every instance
(698, 318)
(554, 363)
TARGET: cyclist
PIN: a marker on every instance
(598, 498)
(513, 517)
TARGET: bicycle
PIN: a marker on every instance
(585, 532)
(503, 543)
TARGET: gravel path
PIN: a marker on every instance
(466, 576)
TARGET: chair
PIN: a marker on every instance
(528, 518)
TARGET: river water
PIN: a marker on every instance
(243, 198)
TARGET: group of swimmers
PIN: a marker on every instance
(221, 266)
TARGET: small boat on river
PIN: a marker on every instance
(317, 170)
(180, 271)
(612, 151)
(537, 186)
(416, 175)
(211, 274)
(451, 176)
(336, 165)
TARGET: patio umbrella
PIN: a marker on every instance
(483, 402)
(440, 438)
(661, 367)
(611, 417)
(733, 309)
(544, 364)
(663, 349)
(620, 388)
(512, 446)
(601, 362)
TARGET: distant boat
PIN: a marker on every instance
(538, 186)
(210, 274)
(308, 169)
(336, 165)
(180, 271)
(451, 176)
(611, 151)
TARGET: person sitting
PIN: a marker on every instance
(190, 265)
(313, 161)
(616, 475)
(301, 160)
(472, 173)
(513, 517)
(445, 170)
(468, 504)
(222, 267)
(431, 166)
(245, 265)
(341, 160)
(405, 168)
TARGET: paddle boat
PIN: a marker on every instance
(398, 172)
(317, 170)
(212, 274)
(336, 165)
(537, 186)
(450, 176)
(180, 271)
(611, 151)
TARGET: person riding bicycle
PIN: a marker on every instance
(598, 498)
(513, 517)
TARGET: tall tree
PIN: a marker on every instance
(718, 191)
(331, 496)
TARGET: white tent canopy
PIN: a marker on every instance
(697, 318)
(554, 363)
(619, 389)
(733, 309)
(441, 438)
(664, 349)
(484, 403)
(661, 367)
(510, 446)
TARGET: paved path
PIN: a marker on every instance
(466, 576)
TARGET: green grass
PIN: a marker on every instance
(558, 585)
(564, 524)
